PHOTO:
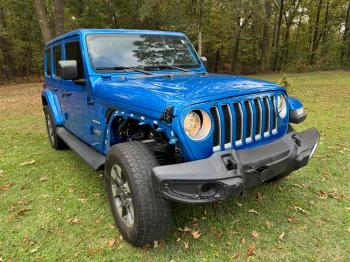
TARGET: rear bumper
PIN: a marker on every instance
(229, 173)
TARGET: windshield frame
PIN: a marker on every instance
(192, 50)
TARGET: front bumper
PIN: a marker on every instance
(229, 173)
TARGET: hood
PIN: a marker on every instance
(156, 92)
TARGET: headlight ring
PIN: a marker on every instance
(197, 124)
(282, 106)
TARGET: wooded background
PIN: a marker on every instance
(237, 36)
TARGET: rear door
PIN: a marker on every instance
(75, 94)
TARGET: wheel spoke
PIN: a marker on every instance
(116, 174)
(130, 212)
(116, 191)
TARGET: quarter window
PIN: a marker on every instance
(57, 57)
(48, 62)
(73, 52)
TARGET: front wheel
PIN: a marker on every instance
(141, 214)
(55, 141)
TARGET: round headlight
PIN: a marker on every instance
(282, 106)
(197, 124)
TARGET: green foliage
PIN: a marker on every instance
(247, 26)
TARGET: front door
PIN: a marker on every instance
(75, 94)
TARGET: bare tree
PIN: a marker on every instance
(59, 16)
(200, 26)
(265, 50)
(40, 10)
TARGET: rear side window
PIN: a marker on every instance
(56, 58)
(48, 62)
(73, 52)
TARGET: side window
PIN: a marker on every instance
(56, 58)
(73, 53)
(48, 62)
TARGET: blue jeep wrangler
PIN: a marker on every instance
(141, 105)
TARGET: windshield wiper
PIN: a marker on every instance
(125, 68)
(168, 66)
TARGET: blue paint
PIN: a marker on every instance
(145, 97)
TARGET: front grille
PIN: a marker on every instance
(243, 122)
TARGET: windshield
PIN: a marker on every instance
(116, 51)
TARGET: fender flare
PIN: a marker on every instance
(54, 105)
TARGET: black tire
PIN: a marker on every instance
(55, 141)
(283, 175)
(132, 163)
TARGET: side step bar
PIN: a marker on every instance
(91, 156)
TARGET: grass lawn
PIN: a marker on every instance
(54, 207)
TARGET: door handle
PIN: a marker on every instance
(66, 93)
(55, 89)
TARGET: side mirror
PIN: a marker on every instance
(69, 69)
(204, 59)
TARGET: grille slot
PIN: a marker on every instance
(217, 128)
(227, 125)
(242, 122)
(266, 116)
(249, 127)
(258, 113)
(274, 115)
(239, 123)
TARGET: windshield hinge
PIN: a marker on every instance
(167, 116)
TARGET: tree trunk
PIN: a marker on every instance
(59, 16)
(200, 26)
(315, 42)
(277, 37)
(112, 12)
(7, 67)
(325, 27)
(266, 38)
(40, 10)
(346, 33)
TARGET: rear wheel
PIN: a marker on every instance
(141, 214)
(55, 141)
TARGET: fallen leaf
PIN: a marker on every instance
(258, 196)
(29, 162)
(348, 229)
(4, 187)
(111, 242)
(253, 211)
(155, 244)
(71, 190)
(186, 245)
(239, 204)
(347, 208)
(250, 251)
(255, 234)
(302, 210)
(281, 236)
(185, 229)
(336, 195)
(196, 234)
(73, 220)
(234, 256)
(82, 200)
(322, 194)
(268, 224)
(243, 241)
(22, 211)
(98, 221)
(44, 178)
(2, 173)
(96, 194)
